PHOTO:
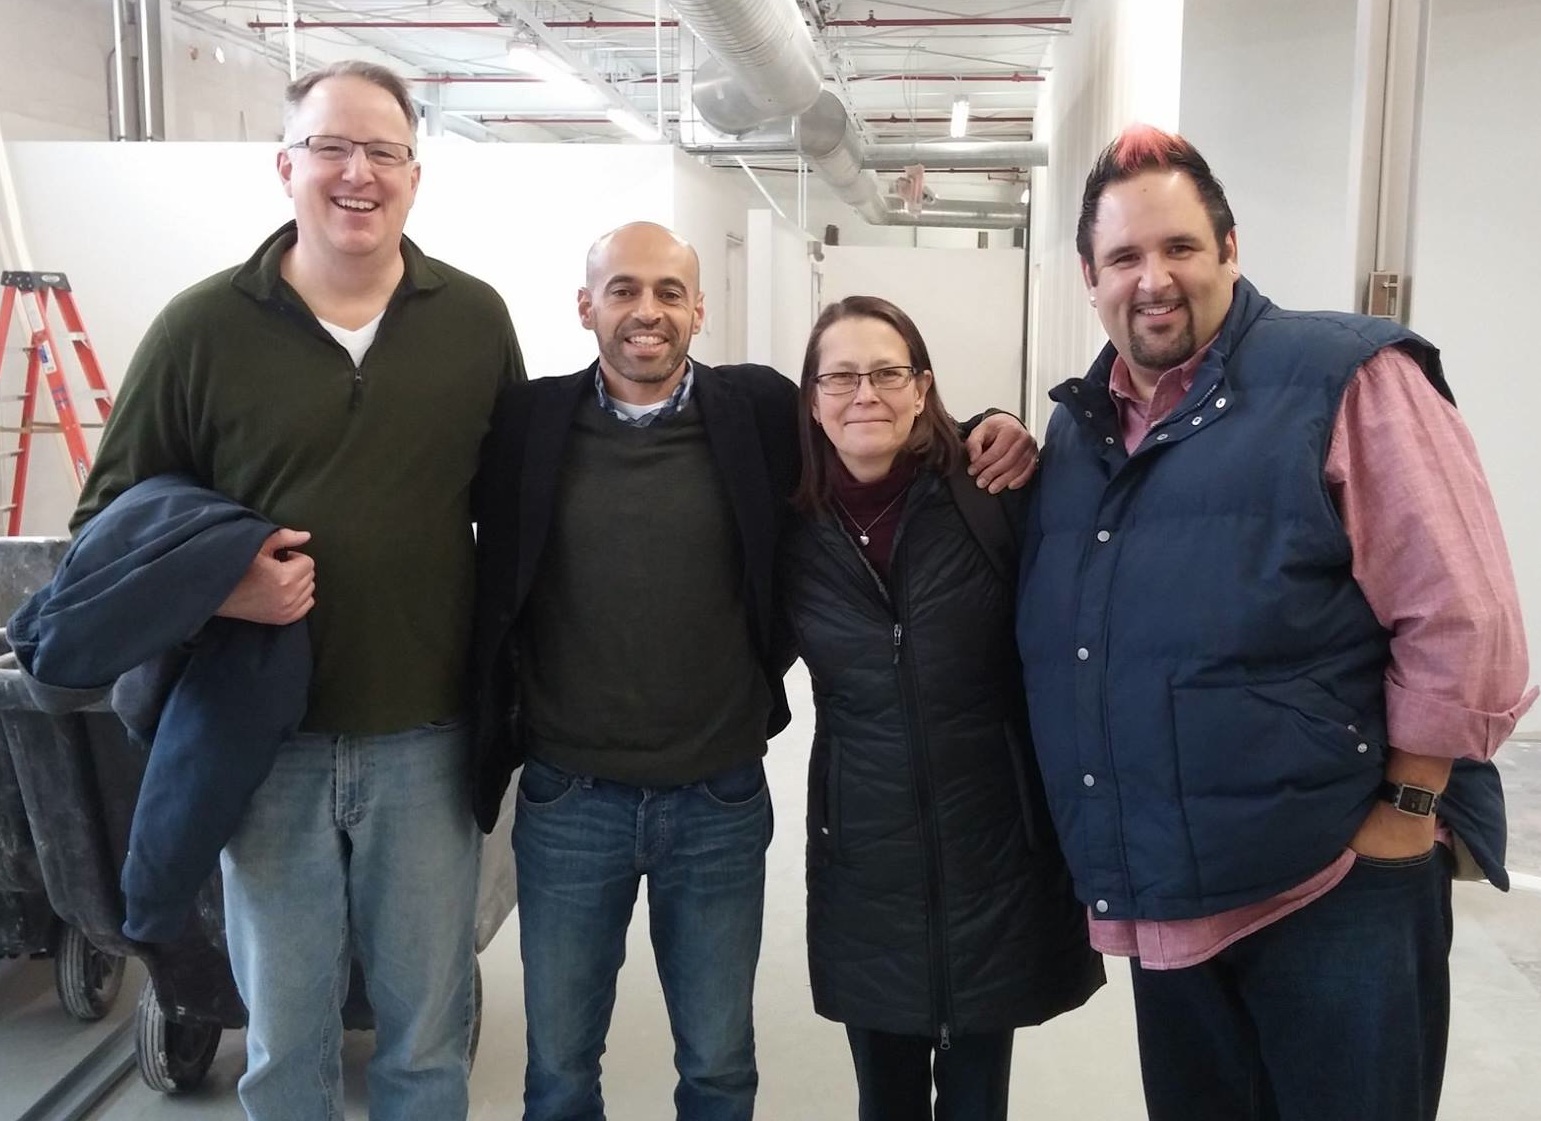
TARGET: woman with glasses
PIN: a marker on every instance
(940, 916)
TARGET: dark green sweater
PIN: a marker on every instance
(636, 662)
(238, 385)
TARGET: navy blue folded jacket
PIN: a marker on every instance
(133, 602)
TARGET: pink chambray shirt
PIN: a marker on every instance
(1401, 468)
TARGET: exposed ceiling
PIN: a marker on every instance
(897, 66)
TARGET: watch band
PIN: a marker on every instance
(1419, 801)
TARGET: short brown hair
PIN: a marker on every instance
(934, 439)
(382, 76)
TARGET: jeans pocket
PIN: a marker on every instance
(541, 784)
(740, 786)
(1416, 861)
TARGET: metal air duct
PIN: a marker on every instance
(764, 67)
(828, 140)
(960, 154)
(955, 212)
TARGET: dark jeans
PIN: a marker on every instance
(582, 847)
(1338, 1012)
(894, 1076)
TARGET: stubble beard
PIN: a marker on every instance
(1165, 353)
(649, 374)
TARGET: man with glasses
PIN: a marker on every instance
(625, 648)
(339, 383)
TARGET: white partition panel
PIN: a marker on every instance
(133, 224)
(967, 304)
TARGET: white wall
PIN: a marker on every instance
(709, 206)
(133, 224)
(239, 99)
(1287, 174)
(1474, 281)
(967, 304)
(781, 292)
(53, 69)
(1120, 65)
(55, 63)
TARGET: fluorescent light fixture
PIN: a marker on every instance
(553, 72)
(959, 118)
(527, 60)
(633, 122)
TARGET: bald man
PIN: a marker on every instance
(625, 656)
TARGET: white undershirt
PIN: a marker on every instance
(636, 411)
(356, 343)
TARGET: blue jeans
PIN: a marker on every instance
(581, 847)
(1338, 1012)
(357, 845)
(895, 1075)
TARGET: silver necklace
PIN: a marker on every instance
(863, 531)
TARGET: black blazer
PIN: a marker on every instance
(750, 413)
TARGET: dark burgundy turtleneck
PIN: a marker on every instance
(871, 508)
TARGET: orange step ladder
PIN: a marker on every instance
(33, 292)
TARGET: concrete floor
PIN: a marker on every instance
(1082, 1066)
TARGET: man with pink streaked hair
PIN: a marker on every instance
(1271, 640)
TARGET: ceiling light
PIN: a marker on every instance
(549, 69)
(1027, 194)
(959, 118)
(527, 60)
(633, 122)
(219, 54)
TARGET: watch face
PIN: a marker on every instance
(1414, 801)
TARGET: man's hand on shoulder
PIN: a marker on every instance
(280, 585)
(1002, 453)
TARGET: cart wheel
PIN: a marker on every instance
(86, 979)
(476, 1008)
(172, 1057)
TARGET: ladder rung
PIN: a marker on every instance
(6, 509)
(12, 454)
(49, 426)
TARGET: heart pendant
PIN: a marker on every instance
(864, 539)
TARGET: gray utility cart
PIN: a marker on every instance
(86, 978)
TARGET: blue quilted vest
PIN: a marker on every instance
(1204, 676)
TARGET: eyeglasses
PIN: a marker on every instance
(843, 382)
(339, 149)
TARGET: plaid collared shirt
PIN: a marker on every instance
(677, 400)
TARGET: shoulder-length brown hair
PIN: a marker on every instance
(934, 439)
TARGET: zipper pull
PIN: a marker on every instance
(946, 1041)
(357, 391)
(898, 638)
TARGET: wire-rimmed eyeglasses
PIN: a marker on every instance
(339, 149)
(839, 383)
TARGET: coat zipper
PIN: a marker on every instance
(930, 843)
(936, 933)
(309, 318)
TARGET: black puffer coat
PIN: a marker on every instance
(938, 901)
